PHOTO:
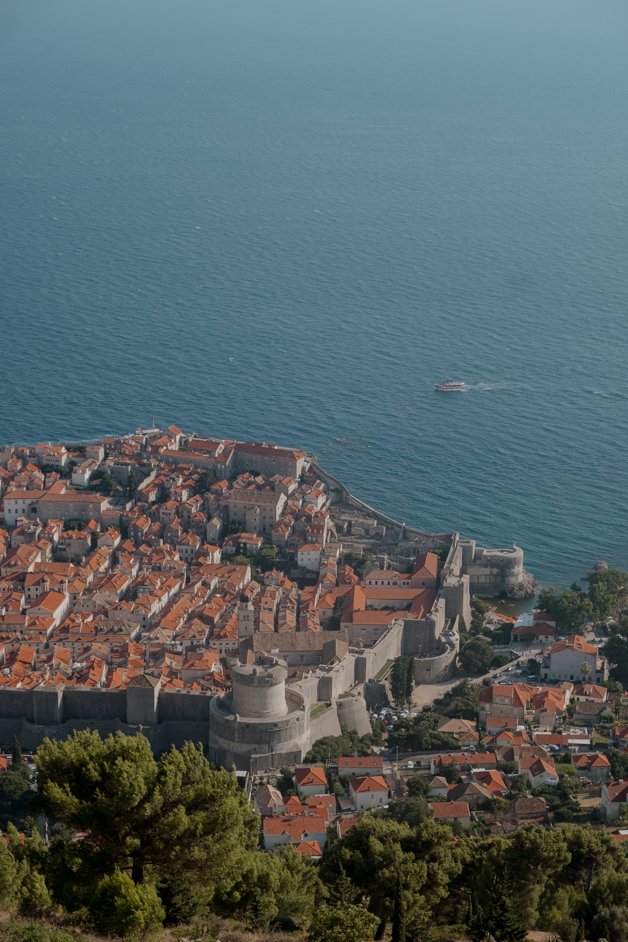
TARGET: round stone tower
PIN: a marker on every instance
(353, 714)
(259, 689)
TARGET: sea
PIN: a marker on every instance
(286, 221)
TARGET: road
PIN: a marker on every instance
(425, 694)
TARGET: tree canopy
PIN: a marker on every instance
(136, 813)
(476, 656)
(138, 840)
(402, 680)
(616, 650)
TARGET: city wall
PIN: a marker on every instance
(415, 537)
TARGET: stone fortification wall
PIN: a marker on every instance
(335, 679)
(191, 708)
(410, 535)
(81, 704)
(40, 707)
(421, 636)
(440, 665)
(56, 712)
(161, 737)
(492, 571)
(370, 661)
(253, 743)
(325, 724)
(306, 688)
(456, 593)
(353, 714)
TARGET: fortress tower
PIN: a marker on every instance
(260, 724)
(259, 690)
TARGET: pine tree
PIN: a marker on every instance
(16, 753)
(409, 679)
(399, 916)
(500, 921)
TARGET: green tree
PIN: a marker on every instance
(570, 609)
(402, 680)
(15, 793)
(411, 811)
(277, 889)
(420, 857)
(119, 907)
(463, 700)
(34, 896)
(619, 763)
(418, 733)
(347, 922)
(616, 650)
(399, 916)
(298, 885)
(476, 656)
(9, 874)
(418, 787)
(285, 783)
(499, 921)
(171, 815)
(592, 851)
(608, 590)
(107, 484)
(16, 753)
(205, 481)
(534, 858)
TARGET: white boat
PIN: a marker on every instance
(450, 385)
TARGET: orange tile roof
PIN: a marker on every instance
(310, 775)
(369, 783)
(450, 809)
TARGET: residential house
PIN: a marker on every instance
(293, 829)
(268, 800)
(590, 693)
(593, 765)
(574, 659)
(523, 811)
(360, 765)
(309, 556)
(511, 700)
(538, 772)
(310, 780)
(492, 780)
(475, 794)
(439, 787)
(534, 626)
(310, 849)
(614, 801)
(452, 812)
(370, 791)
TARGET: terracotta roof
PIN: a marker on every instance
(309, 849)
(311, 775)
(359, 763)
(618, 792)
(591, 760)
(450, 809)
(575, 643)
(369, 783)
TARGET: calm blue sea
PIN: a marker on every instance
(287, 221)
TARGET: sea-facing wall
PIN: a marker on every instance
(424, 540)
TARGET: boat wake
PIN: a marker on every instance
(494, 385)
